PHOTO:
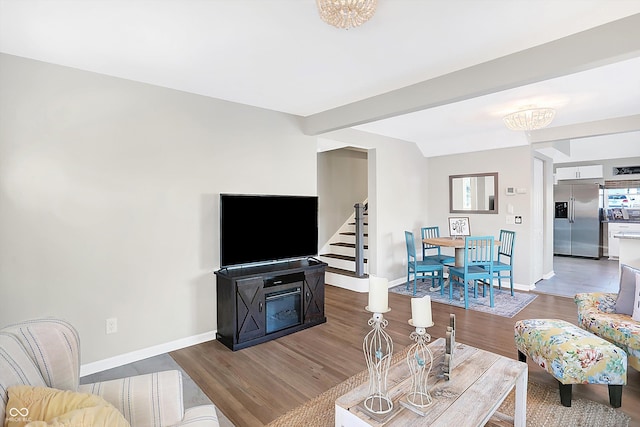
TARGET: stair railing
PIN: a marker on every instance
(360, 210)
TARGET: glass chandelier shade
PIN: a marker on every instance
(346, 13)
(530, 118)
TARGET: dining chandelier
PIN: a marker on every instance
(529, 118)
(346, 13)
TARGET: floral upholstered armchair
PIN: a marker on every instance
(45, 354)
(596, 313)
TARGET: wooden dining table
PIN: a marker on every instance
(452, 242)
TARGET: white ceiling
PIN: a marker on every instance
(278, 54)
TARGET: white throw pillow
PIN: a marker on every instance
(636, 303)
(626, 293)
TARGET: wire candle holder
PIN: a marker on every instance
(420, 360)
(378, 348)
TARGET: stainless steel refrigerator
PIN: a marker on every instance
(576, 224)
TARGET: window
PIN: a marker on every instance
(622, 194)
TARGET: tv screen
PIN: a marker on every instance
(259, 228)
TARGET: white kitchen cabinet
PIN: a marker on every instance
(580, 172)
(630, 250)
(614, 243)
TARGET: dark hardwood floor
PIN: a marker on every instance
(255, 385)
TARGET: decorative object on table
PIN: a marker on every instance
(378, 348)
(419, 356)
(459, 226)
(449, 347)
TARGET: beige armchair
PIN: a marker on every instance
(45, 352)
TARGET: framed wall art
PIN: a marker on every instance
(459, 226)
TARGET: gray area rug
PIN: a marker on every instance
(505, 305)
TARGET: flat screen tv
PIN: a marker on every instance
(261, 228)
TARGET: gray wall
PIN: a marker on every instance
(408, 191)
(397, 190)
(109, 199)
(514, 167)
(342, 182)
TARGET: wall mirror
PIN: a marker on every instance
(474, 193)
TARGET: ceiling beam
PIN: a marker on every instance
(586, 130)
(596, 47)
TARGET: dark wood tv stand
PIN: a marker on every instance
(248, 298)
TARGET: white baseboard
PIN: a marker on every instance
(134, 356)
(522, 287)
(397, 282)
(356, 284)
(548, 275)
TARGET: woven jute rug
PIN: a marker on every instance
(543, 407)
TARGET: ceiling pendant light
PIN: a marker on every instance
(529, 118)
(346, 13)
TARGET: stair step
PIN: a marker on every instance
(347, 245)
(353, 223)
(351, 233)
(342, 257)
(343, 272)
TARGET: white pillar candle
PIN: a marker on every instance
(378, 294)
(421, 312)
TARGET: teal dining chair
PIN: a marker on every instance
(478, 266)
(415, 266)
(428, 249)
(504, 261)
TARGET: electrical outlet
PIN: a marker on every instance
(112, 325)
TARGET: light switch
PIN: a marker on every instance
(509, 208)
(511, 219)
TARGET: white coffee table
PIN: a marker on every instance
(480, 382)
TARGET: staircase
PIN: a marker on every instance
(340, 254)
